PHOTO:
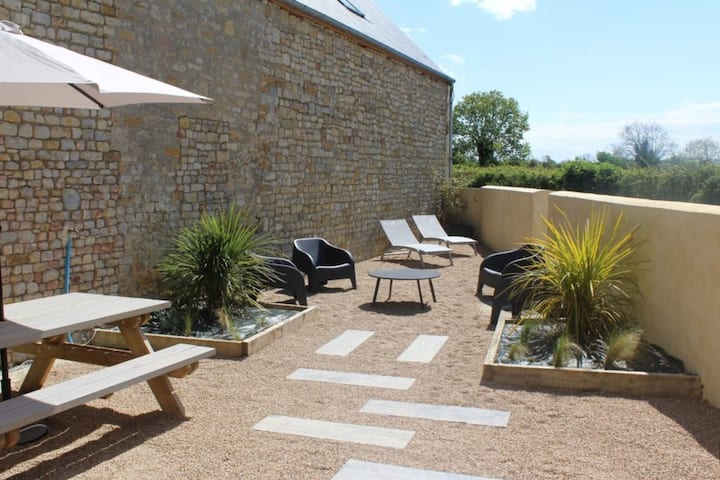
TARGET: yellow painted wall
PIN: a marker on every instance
(505, 217)
(679, 280)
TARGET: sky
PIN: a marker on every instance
(580, 69)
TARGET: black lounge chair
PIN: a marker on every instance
(322, 261)
(492, 266)
(506, 293)
(287, 277)
(498, 271)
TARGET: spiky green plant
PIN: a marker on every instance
(187, 320)
(621, 345)
(539, 338)
(565, 350)
(585, 278)
(518, 351)
(212, 267)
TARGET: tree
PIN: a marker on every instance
(488, 128)
(617, 160)
(646, 143)
(548, 162)
(705, 150)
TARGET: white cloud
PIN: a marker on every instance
(692, 122)
(575, 135)
(501, 9)
(454, 58)
(701, 114)
(572, 134)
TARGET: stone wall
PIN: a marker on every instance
(311, 131)
(58, 170)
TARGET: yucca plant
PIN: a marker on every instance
(584, 280)
(212, 267)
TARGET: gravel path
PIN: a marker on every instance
(550, 434)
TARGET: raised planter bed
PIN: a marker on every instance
(229, 348)
(606, 381)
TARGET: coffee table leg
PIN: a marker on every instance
(422, 304)
(432, 289)
(390, 291)
(377, 285)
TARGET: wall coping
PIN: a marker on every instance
(641, 202)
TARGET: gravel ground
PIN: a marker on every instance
(551, 434)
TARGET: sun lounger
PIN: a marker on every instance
(401, 238)
(430, 229)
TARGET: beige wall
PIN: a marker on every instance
(505, 217)
(679, 280)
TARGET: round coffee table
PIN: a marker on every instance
(416, 274)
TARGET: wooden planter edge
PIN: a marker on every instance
(603, 381)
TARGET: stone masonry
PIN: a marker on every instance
(313, 132)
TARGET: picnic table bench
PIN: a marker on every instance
(40, 327)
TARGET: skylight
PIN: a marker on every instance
(349, 5)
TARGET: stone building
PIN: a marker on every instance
(326, 118)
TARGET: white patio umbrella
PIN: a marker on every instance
(34, 73)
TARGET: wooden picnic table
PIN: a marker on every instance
(40, 327)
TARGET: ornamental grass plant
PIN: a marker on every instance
(583, 293)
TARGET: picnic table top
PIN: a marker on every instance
(33, 320)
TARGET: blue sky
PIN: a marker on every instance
(581, 69)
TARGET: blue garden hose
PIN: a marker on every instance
(68, 258)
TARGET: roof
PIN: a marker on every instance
(374, 27)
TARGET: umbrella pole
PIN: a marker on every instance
(6, 387)
(5, 375)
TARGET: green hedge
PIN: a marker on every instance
(513, 176)
(693, 182)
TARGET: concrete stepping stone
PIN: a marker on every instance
(359, 470)
(345, 343)
(446, 413)
(343, 432)
(347, 378)
(423, 349)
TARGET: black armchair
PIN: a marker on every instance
(287, 277)
(322, 261)
(498, 271)
(492, 266)
(505, 293)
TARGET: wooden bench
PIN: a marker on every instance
(30, 407)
